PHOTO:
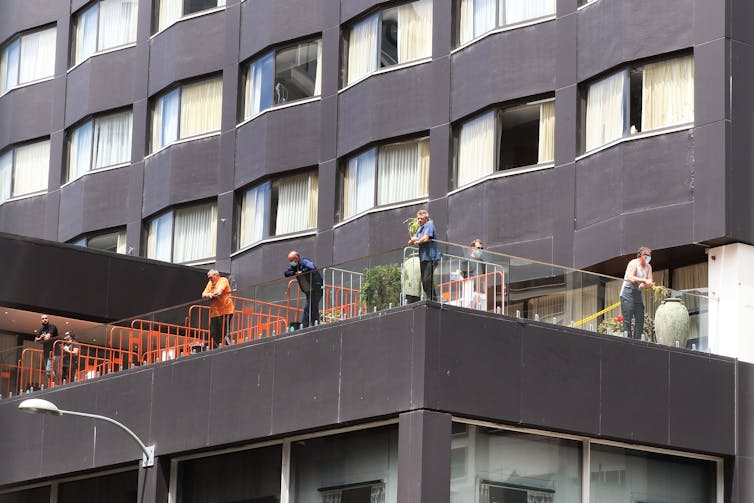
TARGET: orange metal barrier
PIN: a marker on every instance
(341, 302)
(484, 292)
(8, 379)
(254, 319)
(90, 361)
(31, 370)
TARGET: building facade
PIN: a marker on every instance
(226, 132)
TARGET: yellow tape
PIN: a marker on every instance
(596, 315)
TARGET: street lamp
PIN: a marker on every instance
(39, 406)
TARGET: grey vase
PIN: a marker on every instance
(672, 323)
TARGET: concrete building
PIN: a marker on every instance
(223, 133)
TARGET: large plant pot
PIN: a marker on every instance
(672, 323)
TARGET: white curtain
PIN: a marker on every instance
(201, 107)
(668, 93)
(37, 55)
(31, 168)
(476, 17)
(160, 237)
(117, 23)
(165, 120)
(80, 151)
(398, 168)
(546, 132)
(318, 77)
(9, 66)
(358, 183)
(414, 30)
(476, 149)
(86, 34)
(313, 201)
(254, 215)
(195, 233)
(362, 48)
(605, 110)
(516, 11)
(121, 248)
(377, 494)
(293, 204)
(112, 139)
(259, 84)
(6, 175)
(168, 12)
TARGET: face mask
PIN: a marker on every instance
(476, 253)
(648, 259)
(293, 263)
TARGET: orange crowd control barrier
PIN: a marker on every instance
(483, 292)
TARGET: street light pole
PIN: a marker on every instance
(39, 406)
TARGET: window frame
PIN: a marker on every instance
(497, 171)
(340, 216)
(179, 86)
(172, 212)
(75, 19)
(155, 29)
(273, 51)
(12, 150)
(66, 175)
(497, 26)
(83, 240)
(18, 38)
(269, 232)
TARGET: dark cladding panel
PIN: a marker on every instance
(25, 217)
(26, 113)
(634, 391)
(702, 403)
(745, 409)
(20, 15)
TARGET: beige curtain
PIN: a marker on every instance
(476, 148)
(168, 12)
(294, 206)
(31, 168)
(195, 233)
(414, 31)
(604, 110)
(423, 168)
(546, 132)
(398, 177)
(313, 200)
(668, 93)
(362, 48)
(201, 107)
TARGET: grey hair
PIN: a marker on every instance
(213, 272)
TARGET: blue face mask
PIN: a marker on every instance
(293, 263)
(648, 258)
(476, 253)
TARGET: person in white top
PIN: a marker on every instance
(638, 277)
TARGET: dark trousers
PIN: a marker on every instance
(311, 307)
(428, 278)
(632, 306)
(218, 328)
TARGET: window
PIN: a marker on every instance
(102, 26)
(277, 207)
(637, 99)
(169, 11)
(389, 37)
(184, 234)
(24, 169)
(585, 2)
(283, 75)
(27, 58)
(112, 241)
(187, 110)
(98, 143)
(384, 175)
(477, 17)
(505, 139)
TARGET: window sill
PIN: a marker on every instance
(23, 196)
(636, 136)
(501, 29)
(387, 69)
(379, 209)
(586, 5)
(182, 140)
(97, 170)
(282, 106)
(504, 174)
(100, 53)
(272, 239)
(186, 18)
(27, 84)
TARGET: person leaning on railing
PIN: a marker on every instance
(48, 333)
(220, 306)
(309, 281)
(638, 277)
(429, 254)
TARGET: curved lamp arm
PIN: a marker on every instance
(40, 406)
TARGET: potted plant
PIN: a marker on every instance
(381, 287)
(612, 326)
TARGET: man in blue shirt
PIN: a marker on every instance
(310, 281)
(428, 252)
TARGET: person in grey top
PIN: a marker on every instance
(638, 276)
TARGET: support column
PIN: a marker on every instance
(154, 482)
(731, 309)
(424, 457)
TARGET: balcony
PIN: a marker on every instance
(496, 284)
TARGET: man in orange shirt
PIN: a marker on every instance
(220, 307)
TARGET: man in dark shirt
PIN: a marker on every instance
(70, 357)
(310, 281)
(47, 334)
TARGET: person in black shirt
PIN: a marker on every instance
(70, 358)
(310, 282)
(47, 334)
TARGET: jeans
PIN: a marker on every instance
(428, 278)
(311, 308)
(632, 306)
(219, 327)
